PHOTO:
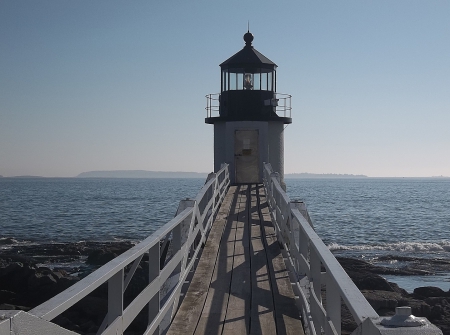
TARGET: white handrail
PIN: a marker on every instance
(306, 255)
(198, 216)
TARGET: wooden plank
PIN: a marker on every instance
(246, 288)
(215, 308)
(237, 319)
(286, 312)
(262, 314)
(188, 314)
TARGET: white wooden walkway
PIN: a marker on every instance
(241, 285)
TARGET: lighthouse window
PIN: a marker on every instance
(264, 81)
(248, 81)
(240, 81)
(269, 81)
(225, 81)
(257, 81)
(233, 81)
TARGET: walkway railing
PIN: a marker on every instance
(186, 233)
(306, 256)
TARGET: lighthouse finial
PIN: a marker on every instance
(248, 36)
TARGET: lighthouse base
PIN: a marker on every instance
(245, 145)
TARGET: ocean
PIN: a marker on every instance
(388, 221)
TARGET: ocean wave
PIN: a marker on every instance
(7, 243)
(441, 246)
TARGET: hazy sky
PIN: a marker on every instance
(116, 85)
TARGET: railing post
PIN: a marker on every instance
(153, 274)
(115, 297)
(185, 225)
(316, 273)
(180, 237)
(333, 303)
(295, 234)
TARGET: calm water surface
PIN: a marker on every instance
(72, 209)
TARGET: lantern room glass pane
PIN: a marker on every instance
(257, 81)
(269, 81)
(274, 81)
(240, 81)
(224, 80)
(264, 81)
(248, 81)
(233, 81)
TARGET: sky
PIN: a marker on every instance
(120, 85)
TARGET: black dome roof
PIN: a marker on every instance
(248, 57)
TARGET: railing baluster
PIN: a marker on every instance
(316, 273)
(153, 274)
(115, 296)
(333, 304)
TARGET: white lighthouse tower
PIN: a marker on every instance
(248, 129)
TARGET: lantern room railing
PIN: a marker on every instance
(281, 102)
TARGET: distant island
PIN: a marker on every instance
(140, 174)
(322, 175)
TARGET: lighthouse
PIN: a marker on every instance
(249, 116)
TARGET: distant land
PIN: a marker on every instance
(322, 175)
(140, 174)
(178, 174)
(202, 175)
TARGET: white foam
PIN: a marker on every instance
(441, 246)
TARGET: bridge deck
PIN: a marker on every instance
(241, 285)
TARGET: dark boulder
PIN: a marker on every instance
(100, 257)
(37, 280)
(382, 300)
(430, 291)
(369, 281)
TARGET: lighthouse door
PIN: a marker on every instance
(246, 156)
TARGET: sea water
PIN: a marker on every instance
(387, 221)
(368, 218)
(84, 209)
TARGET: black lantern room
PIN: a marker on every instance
(248, 86)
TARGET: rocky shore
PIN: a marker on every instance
(430, 302)
(32, 274)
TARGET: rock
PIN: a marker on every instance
(13, 307)
(63, 322)
(430, 302)
(6, 295)
(93, 307)
(369, 281)
(7, 240)
(39, 279)
(100, 257)
(418, 307)
(397, 289)
(7, 307)
(379, 299)
(15, 276)
(437, 301)
(430, 291)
